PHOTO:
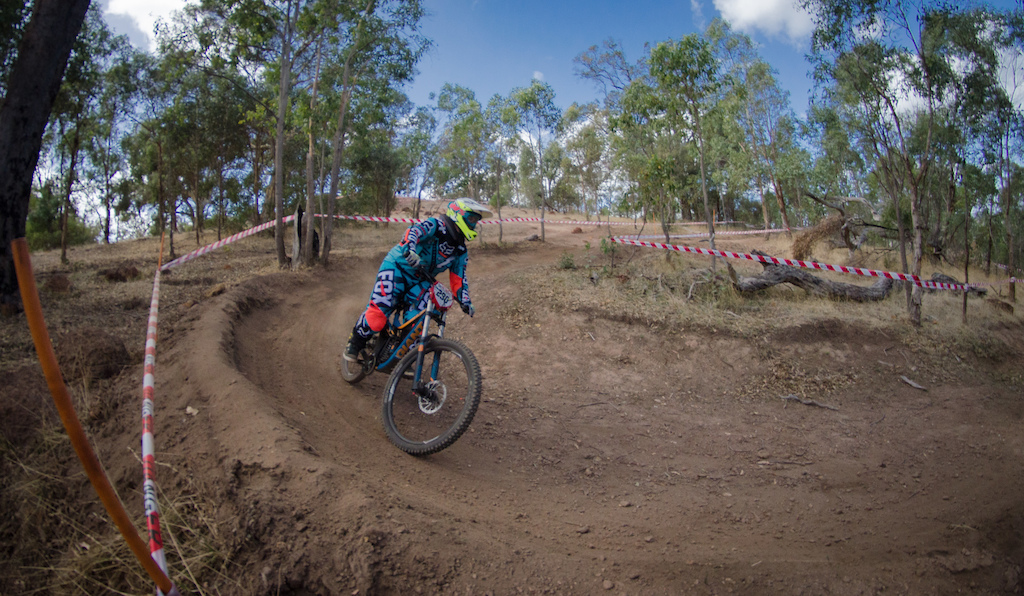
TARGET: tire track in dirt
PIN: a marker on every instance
(595, 463)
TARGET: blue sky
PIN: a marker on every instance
(494, 46)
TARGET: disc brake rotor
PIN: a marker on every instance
(434, 395)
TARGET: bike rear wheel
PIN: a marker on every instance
(425, 424)
(353, 372)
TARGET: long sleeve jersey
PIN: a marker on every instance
(441, 247)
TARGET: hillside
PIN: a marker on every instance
(641, 432)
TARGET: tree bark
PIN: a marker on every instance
(32, 86)
(65, 212)
(777, 274)
(284, 90)
(308, 258)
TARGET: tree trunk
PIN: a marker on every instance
(284, 85)
(764, 207)
(340, 135)
(107, 192)
(32, 86)
(339, 152)
(1010, 249)
(308, 258)
(173, 226)
(704, 190)
(967, 251)
(777, 274)
(257, 175)
(160, 199)
(918, 248)
(782, 207)
(220, 200)
(68, 187)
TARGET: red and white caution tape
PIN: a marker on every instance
(220, 243)
(717, 233)
(518, 220)
(595, 223)
(156, 542)
(932, 285)
(374, 218)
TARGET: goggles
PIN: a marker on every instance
(472, 218)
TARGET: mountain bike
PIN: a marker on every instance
(434, 388)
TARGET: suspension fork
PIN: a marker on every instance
(417, 381)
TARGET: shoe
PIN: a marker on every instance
(354, 346)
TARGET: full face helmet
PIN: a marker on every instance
(466, 213)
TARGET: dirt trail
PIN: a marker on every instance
(605, 457)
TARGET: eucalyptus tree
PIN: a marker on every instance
(687, 73)
(378, 45)
(649, 149)
(586, 146)
(503, 181)
(207, 140)
(306, 255)
(146, 145)
(528, 177)
(417, 148)
(460, 161)
(105, 156)
(266, 39)
(374, 160)
(234, 45)
(763, 112)
(884, 63)
(13, 18)
(1006, 127)
(77, 108)
(532, 113)
(647, 156)
(610, 70)
(30, 86)
(563, 177)
(839, 167)
(375, 165)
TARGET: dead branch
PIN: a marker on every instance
(911, 383)
(777, 274)
(808, 402)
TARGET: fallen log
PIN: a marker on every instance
(774, 275)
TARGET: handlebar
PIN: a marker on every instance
(422, 272)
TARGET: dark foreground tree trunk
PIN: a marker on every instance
(31, 88)
(777, 274)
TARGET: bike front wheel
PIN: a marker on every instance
(431, 420)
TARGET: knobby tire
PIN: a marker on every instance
(416, 431)
(352, 371)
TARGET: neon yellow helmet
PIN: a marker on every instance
(466, 213)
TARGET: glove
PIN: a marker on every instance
(412, 258)
(467, 307)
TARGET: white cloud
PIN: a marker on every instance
(145, 13)
(538, 75)
(698, 14)
(772, 17)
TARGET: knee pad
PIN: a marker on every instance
(375, 317)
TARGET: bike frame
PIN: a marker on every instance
(407, 332)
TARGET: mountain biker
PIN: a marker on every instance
(437, 244)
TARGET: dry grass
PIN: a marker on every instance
(53, 548)
(803, 244)
(674, 291)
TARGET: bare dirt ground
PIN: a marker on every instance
(612, 453)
